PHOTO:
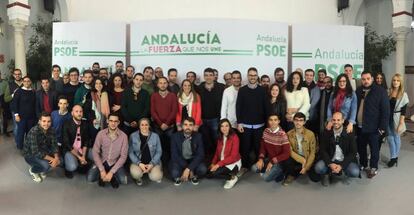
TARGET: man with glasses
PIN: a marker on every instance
(13, 85)
(303, 150)
(70, 88)
(110, 152)
(251, 112)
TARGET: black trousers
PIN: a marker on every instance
(293, 168)
(250, 142)
(223, 173)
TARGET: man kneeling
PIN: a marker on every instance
(338, 152)
(187, 154)
(110, 152)
(40, 149)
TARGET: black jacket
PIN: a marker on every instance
(69, 135)
(39, 101)
(376, 111)
(346, 143)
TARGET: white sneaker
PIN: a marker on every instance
(43, 175)
(230, 183)
(35, 176)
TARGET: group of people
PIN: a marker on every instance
(109, 123)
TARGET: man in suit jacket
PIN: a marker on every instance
(187, 154)
(46, 99)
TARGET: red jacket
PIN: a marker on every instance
(231, 152)
(195, 112)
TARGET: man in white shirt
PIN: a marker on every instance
(338, 152)
(228, 104)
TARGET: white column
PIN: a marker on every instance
(18, 12)
(401, 22)
(400, 37)
(20, 53)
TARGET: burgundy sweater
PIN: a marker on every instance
(164, 110)
(275, 146)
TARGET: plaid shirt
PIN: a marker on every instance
(39, 144)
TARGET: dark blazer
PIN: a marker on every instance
(69, 135)
(346, 143)
(177, 151)
(376, 111)
(39, 101)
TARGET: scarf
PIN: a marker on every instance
(185, 100)
(339, 100)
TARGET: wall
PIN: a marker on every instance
(299, 11)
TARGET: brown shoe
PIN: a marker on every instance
(373, 172)
(288, 180)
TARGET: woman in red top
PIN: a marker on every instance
(116, 88)
(226, 161)
(189, 105)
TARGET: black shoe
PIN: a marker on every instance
(114, 182)
(68, 174)
(392, 162)
(194, 180)
(325, 180)
(101, 183)
(177, 182)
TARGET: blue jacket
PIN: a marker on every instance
(154, 144)
(348, 108)
(177, 140)
(376, 111)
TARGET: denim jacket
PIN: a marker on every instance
(348, 108)
(154, 145)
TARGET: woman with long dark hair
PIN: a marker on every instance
(277, 104)
(226, 161)
(116, 88)
(380, 80)
(100, 104)
(344, 100)
(297, 98)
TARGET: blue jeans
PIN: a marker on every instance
(352, 170)
(176, 170)
(38, 165)
(394, 141)
(94, 174)
(14, 124)
(276, 172)
(23, 127)
(72, 163)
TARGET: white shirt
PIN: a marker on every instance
(299, 139)
(339, 155)
(299, 99)
(228, 105)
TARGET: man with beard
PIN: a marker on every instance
(163, 111)
(324, 102)
(187, 154)
(280, 77)
(228, 103)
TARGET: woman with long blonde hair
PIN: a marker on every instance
(398, 105)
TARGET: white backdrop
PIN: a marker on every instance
(328, 46)
(80, 44)
(223, 44)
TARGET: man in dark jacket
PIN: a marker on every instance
(77, 146)
(337, 151)
(187, 154)
(46, 99)
(372, 117)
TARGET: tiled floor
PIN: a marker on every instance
(391, 192)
